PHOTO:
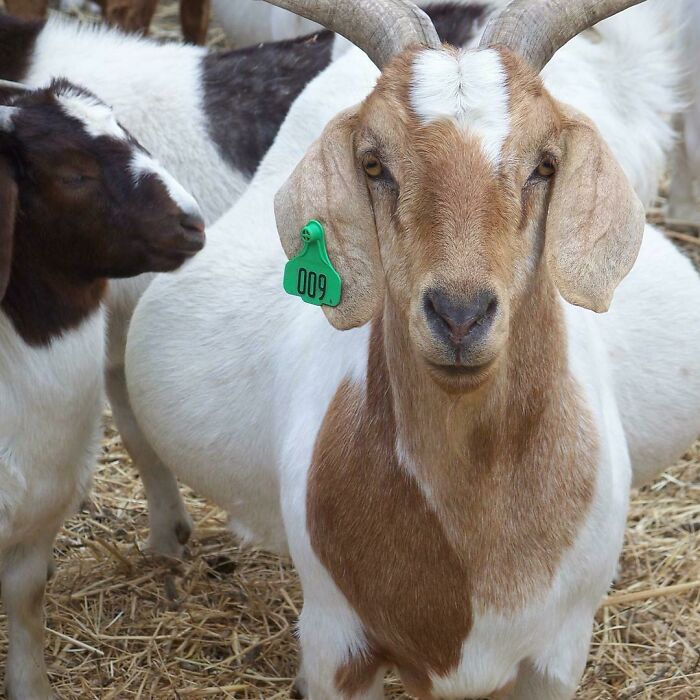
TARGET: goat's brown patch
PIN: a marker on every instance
(510, 471)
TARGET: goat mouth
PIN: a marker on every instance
(458, 371)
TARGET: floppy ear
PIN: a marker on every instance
(329, 186)
(595, 221)
(8, 205)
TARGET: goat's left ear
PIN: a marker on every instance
(328, 185)
(595, 221)
(8, 205)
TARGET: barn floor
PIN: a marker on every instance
(124, 625)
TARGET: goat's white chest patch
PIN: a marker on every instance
(469, 88)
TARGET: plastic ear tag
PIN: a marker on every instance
(310, 274)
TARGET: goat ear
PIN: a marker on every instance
(8, 205)
(595, 221)
(328, 185)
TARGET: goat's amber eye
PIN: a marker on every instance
(546, 168)
(372, 166)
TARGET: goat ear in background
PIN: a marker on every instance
(327, 185)
(595, 221)
(8, 205)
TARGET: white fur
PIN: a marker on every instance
(96, 117)
(142, 164)
(247, 23)
(49, 425)
(625, 76)
(49, 436)
(469, 88)
(6, 116)
(213, 367)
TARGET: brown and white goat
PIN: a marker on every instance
(80, 201)
(451, 472)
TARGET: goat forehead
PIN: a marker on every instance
(96, 117)
(143, 165)
(466, 87)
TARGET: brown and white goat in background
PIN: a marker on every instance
(80, 201)
(451, 473)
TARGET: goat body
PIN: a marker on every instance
(377, 525)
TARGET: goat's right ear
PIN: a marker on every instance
(595, 221)
(328, 185)
(8, 206)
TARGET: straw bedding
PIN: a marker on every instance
(220, 624)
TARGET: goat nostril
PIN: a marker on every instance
(192, 222)
(454, 320)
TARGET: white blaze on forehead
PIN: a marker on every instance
(6, 115)
(96, 117)
(468, 88)
(142, 164)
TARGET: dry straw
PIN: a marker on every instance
(122, 625)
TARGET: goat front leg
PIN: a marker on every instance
(169, 523)
(194, 19)
(23, 579)
(326, 672)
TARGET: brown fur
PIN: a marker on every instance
(27, 9)
(501, 439)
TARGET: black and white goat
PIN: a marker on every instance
(80, 201)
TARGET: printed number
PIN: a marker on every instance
(308, 283)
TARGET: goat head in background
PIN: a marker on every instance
(91, 203)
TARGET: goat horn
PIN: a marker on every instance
(381, 28)
(9, 84)
(537, 29)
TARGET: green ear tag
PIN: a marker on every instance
(310, 275)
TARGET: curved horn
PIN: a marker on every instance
(537, 29)
(381, 28)
(10, 85)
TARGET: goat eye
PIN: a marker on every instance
(74, 179)
(372, 166)
(545, 169)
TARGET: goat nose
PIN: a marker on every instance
(457, 321)
(193, 223)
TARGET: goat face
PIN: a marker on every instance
(96, 202)
(456, 185)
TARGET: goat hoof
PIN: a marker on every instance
(183, 532)
(299, 690)
(170, 542)
(50, 569)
